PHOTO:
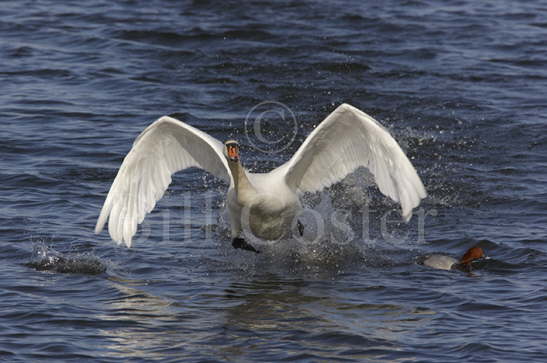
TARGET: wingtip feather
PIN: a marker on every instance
(98, 228)
(128, 242)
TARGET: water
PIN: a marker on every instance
(461, 87)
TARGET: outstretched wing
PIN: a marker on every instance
(347, 139)
(163, 148)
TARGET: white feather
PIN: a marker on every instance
(163, 148)
(347, 139)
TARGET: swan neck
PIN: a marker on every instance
(242, 185)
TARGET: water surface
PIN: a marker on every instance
(460, 86)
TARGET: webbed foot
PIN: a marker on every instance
(239, 242)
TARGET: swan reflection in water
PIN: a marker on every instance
(286, 317)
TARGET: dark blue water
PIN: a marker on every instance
(461, 87)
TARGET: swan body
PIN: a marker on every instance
(266, 204)
(263, 203)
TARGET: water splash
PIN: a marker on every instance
(45, 258)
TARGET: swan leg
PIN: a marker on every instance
(239, 242)
(300, 227)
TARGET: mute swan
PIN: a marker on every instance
(444, 262)
(264, 203)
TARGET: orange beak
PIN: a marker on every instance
(233, 152)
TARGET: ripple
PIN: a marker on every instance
(46, 73)
(460, 86)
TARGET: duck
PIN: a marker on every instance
(264, 204)
(445, 262)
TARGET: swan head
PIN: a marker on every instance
(472, 254)
(231, 150)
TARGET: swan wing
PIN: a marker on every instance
(347, 139)
(163, 148)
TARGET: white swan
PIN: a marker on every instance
(264, 203)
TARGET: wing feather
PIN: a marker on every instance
(347, 139)
(163, 148)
